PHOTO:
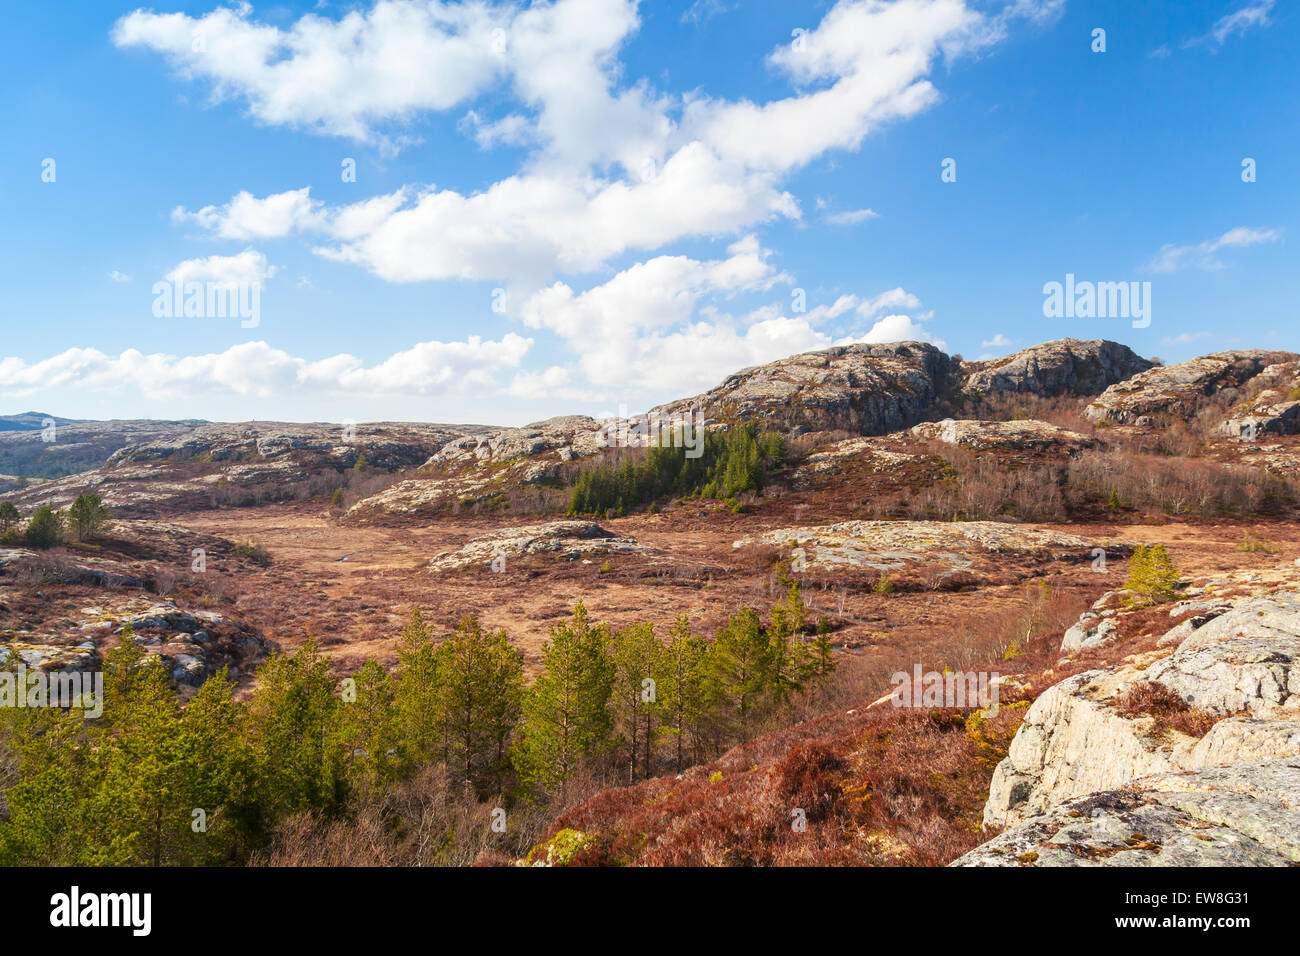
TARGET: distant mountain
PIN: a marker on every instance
(31, 421)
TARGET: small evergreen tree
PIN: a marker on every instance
(9, 516)
(566, 711)
(45, 529)
(1152, 575)
(87, 517)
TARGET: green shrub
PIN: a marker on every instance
(45, 530)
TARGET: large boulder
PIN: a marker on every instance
(563, 540)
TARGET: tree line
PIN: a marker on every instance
(731, 462)
(155, 781)
(85, 519)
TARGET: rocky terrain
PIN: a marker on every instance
(907, 507)
(1163, 395)
(891, 545)
(560, 540)
(245, 463)
(1063, 367)
(34, 445)
(61, 611)
(478, 468)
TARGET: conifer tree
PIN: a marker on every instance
(566, 710)
(482, 676)
(683, 686)
(634, 703)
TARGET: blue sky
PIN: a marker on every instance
(576, 206)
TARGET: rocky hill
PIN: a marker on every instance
(36, 445)
(1063, 367)
(208, 465)
(1161, 396)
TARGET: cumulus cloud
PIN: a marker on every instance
(998, 341)
(896, 298)
(338, 77)
(1204, 255)
(895, 328)
(248, 267)
(658, 327)
(256, 369)
(117, 276)
(613, 166)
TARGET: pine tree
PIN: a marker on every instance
(9, 516)
(740, 666)
(371, 730)
(295, 730)
(418, 697)
(566, 710)
(482, 676)
(684, 690)
(634, 703)
(87, 516)
(1152, 575)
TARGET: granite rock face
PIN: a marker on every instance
(1241, 814)
(564, 540)
(1022, 435)
(869, 389)
(1062, 367)
(476, 468)
(1172, 392)
(892, 545)
(1240, 665)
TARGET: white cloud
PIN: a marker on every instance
(895, 328)
(655, 328)
(339, 77)
(248, 267)
(119, 276)
(1253, 14)
(1203, 255)
(998, 341)
(852, 217)
(257, 369)
(614, 166)
(896, 298)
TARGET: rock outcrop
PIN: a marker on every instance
(1241, 814)
(1238, 671)
(476, 468)
(1022, 435)
(1172, 392)
(562, 540)
(1274, 410)
(892, 545)
(1062, 367)
(239, 464)
(870, 389)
